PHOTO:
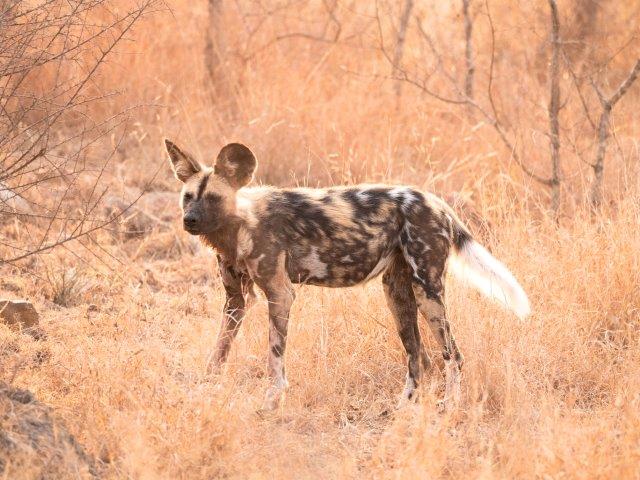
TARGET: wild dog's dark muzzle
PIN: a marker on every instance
(190, 223)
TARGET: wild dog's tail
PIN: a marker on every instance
(472, 262)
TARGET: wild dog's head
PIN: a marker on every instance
(208, 197)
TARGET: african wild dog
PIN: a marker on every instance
(334, 237)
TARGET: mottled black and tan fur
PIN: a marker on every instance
(333, 237)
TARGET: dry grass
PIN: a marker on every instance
(123, 364)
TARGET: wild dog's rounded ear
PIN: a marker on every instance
(236, 164)
(182, 163)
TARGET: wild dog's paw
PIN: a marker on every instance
(452, 385)
(272, 399)
(404, 402)
(214, 370)
(448, 404)
(409, 395)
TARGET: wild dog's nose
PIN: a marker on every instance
(190, 222)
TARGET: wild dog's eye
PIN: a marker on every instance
(187, 197)
(213, 198)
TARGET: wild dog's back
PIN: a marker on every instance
(333, 237)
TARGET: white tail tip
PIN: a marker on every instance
(476, 265)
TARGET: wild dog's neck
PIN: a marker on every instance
(224, 239)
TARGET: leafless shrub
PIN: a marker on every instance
(460, 96)
(52, 150)
(459, 91)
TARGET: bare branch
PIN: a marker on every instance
(438, 56)
(625, 85)
(402, 74)
(595, 196)
(322, 37)
(576, 82)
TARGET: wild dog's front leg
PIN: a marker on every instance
(236, 286)
(279, 306)
(273, 279)
(232, 316)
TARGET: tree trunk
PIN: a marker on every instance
(468, 54)
(595, 196)
(213, 45)
(214, 57)
(402, 35)
(554, 107)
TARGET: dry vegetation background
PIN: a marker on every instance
(129, 312)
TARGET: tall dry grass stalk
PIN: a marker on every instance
(307, 87)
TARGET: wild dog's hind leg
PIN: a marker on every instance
(236, 285)
(402, 303)
(432, 309)
(428, 267)
(280, 295)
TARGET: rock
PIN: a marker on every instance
(18, 313)
(153, 210)
(36, 444)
